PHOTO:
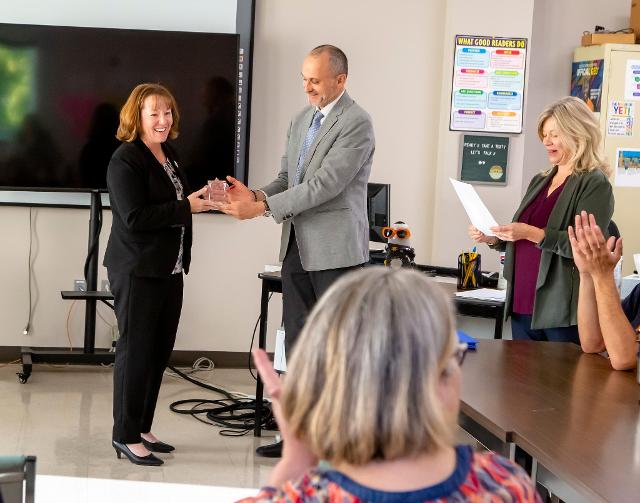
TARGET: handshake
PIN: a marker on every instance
(233, 198)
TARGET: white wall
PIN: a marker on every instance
(401, 56)
(450, 221)
(222, 293)
(554, 30)
(554, 38)
(394, 74)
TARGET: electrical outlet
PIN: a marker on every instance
(104, 286)
(79, 285)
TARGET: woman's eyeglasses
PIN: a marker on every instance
(461, 352)
(390, 232)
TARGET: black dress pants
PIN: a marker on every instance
(148, 312)
(300, 291)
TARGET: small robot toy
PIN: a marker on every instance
(399, 250)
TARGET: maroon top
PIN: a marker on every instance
(527, 254)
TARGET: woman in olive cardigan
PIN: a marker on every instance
(543, 303)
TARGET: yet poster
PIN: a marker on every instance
(488, 84)
(586, 82)
(620, 118)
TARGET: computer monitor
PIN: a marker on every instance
(378, 210)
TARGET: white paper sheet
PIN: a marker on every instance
(483, 294)
(478, 213)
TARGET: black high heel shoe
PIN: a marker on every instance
(149, 460)
(158, 446)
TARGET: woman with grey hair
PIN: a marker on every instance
(543, 282)
(373, 390)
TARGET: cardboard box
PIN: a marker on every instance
(609, 38)
(634, 19)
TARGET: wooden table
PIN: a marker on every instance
(578, 419)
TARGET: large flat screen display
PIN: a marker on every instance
(61, 89)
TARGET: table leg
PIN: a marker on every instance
(497, 331)
(262, 344)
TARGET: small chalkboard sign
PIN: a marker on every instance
(484, 159)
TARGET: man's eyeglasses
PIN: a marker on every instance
(390, 232)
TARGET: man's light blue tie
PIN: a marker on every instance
(308, 141)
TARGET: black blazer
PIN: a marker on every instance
(147, 217)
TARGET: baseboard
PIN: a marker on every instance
(221, 359)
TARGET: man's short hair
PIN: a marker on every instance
(337, 58)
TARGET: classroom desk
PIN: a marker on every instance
(578, 419)
(272, 283)
(492, 309)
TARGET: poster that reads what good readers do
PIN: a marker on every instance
(488, 84)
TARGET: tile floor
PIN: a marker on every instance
(63, 416)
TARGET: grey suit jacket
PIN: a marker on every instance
(329, 205)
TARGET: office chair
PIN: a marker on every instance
(17, 479)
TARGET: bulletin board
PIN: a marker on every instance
(484, 159)
(487, 94)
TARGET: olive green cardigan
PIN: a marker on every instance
(558, 283)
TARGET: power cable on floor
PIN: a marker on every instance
(253, 336)
(27, 327)
(235, 413)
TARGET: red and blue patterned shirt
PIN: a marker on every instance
(481, 477)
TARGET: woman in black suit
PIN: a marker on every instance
(149, 248)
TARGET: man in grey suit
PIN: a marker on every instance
(320, 192)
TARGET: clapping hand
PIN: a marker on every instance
(592, 253)
(297, 458)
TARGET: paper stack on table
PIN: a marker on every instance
(483, 294)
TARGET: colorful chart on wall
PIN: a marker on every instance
(632, 80)
(488, 84)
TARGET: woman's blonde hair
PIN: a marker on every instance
(362, 381)
(129, 128)
(579, 133)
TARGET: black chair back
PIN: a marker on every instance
(17, 479)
